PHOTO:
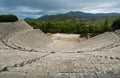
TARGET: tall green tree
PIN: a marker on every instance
(116, 24)
(106, 26)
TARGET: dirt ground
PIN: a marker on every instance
(65, 41)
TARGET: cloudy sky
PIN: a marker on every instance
(37, 8)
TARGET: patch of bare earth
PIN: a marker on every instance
(65, 41)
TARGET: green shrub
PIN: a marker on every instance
(8, 18)
(82, 28)
(116, 24)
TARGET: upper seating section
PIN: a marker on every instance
(10, 28)
(20, 35)
(98, 42)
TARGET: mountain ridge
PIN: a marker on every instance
(78, 14)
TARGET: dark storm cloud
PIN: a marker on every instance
(36, 8)
(38, 4)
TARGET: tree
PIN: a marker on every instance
(116, 24)
(8, 18)
(106, 26)
(83, 28)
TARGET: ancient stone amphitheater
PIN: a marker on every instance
(28, 53)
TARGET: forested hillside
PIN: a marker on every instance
(75, 23)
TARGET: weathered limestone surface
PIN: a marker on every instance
(98, 57)
(96, 43)
(20, 35)
(70, 65)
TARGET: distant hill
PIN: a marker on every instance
(101, 20)
(78, 16)
(59, 18)
(29, 19)
(91, 15)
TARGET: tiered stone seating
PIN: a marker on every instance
(32, 39)
(15, 58)
(98, 42)
(21, 55)
(68, 65)
(22, 36)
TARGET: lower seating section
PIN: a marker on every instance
(15, 58)
(106, 54)
(69, 65)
